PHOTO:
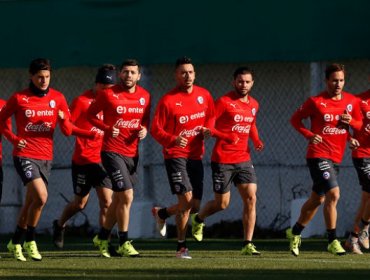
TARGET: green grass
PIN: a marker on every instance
(212, 259)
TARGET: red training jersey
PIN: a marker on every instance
(36, 118)
(185, 114)
(86, 150)
(363, 135)
(324, 114)
(124, 110)
(233, 116)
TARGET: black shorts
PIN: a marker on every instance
(362, 166)
(30, 169)
(324, 174)
(88, 176)
(121, 170)
(238, 173)
(185, 175)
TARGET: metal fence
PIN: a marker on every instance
(280, 87)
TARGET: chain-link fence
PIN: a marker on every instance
(280, 87)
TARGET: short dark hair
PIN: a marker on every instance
(183, 60)
(130, 62)
(334, 67)
(243, 70)
(39, 64)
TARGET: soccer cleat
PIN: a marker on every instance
(32, 251)
(294, 242)
(160, 224)
(353, 246)
(183, 253)
(16, 249)
(250, 249)
(126, 249)
(363, 238)
(335, 248)
(197, 228)
(103, 246)
(58, 235)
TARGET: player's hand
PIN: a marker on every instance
(22, 144)
(181, 141)
(206, 132)
(345, 117)
(142, 132)
(354, 144)
(260, 146)
(61, 114)
(316, 139)
(115, 131)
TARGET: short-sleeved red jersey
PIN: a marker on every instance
(124, 110)
(185, 114)
(36, 118)
(324, 114)
(86, 150)
(233, 116)
(363, 135)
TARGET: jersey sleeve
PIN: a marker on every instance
(254, 135)
(157, 128)
(5, 120)
(97, 106)
(302, 113)
(356, 121)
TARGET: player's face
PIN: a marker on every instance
(185, 76)
(335, 83)
(41, 79)
(243, 84)
(129, 76)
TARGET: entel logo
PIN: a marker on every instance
(183, 119)
(29, 113)
(240, 118)
(121, 110)
(368, 114)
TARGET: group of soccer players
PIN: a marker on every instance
(111, 119)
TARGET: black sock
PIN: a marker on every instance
(354, 234)
(198, 220)
(123, 237)
(297, 229)
(246, 242)
(162, 213)
(181, 245)
(18, 235)
(365, 223)
(104, 233)
(332, 234)
(30, 233)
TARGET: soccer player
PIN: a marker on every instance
(182, 119)
(87, 170)
(126, 111)
(36, 110)
(235, 114)
(360, 145)
(331, 113)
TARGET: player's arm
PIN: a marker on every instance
(254, 135)
(143, 132)
(355, 120)
(5, 121)
(160, 119)
(302, 113)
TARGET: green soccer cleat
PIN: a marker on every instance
(197, 228)
(335, 248)
(126, 249)
(32, 251)
(294, 242)
(103, 246)
(250, 250)
(16, 249)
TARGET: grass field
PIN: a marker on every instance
(212, 259)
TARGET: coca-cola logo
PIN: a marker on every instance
(367, 127)
(135, 123)
(42, 127)
(191, 132)
(333, 130)
(241, 128)
(97, 130)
